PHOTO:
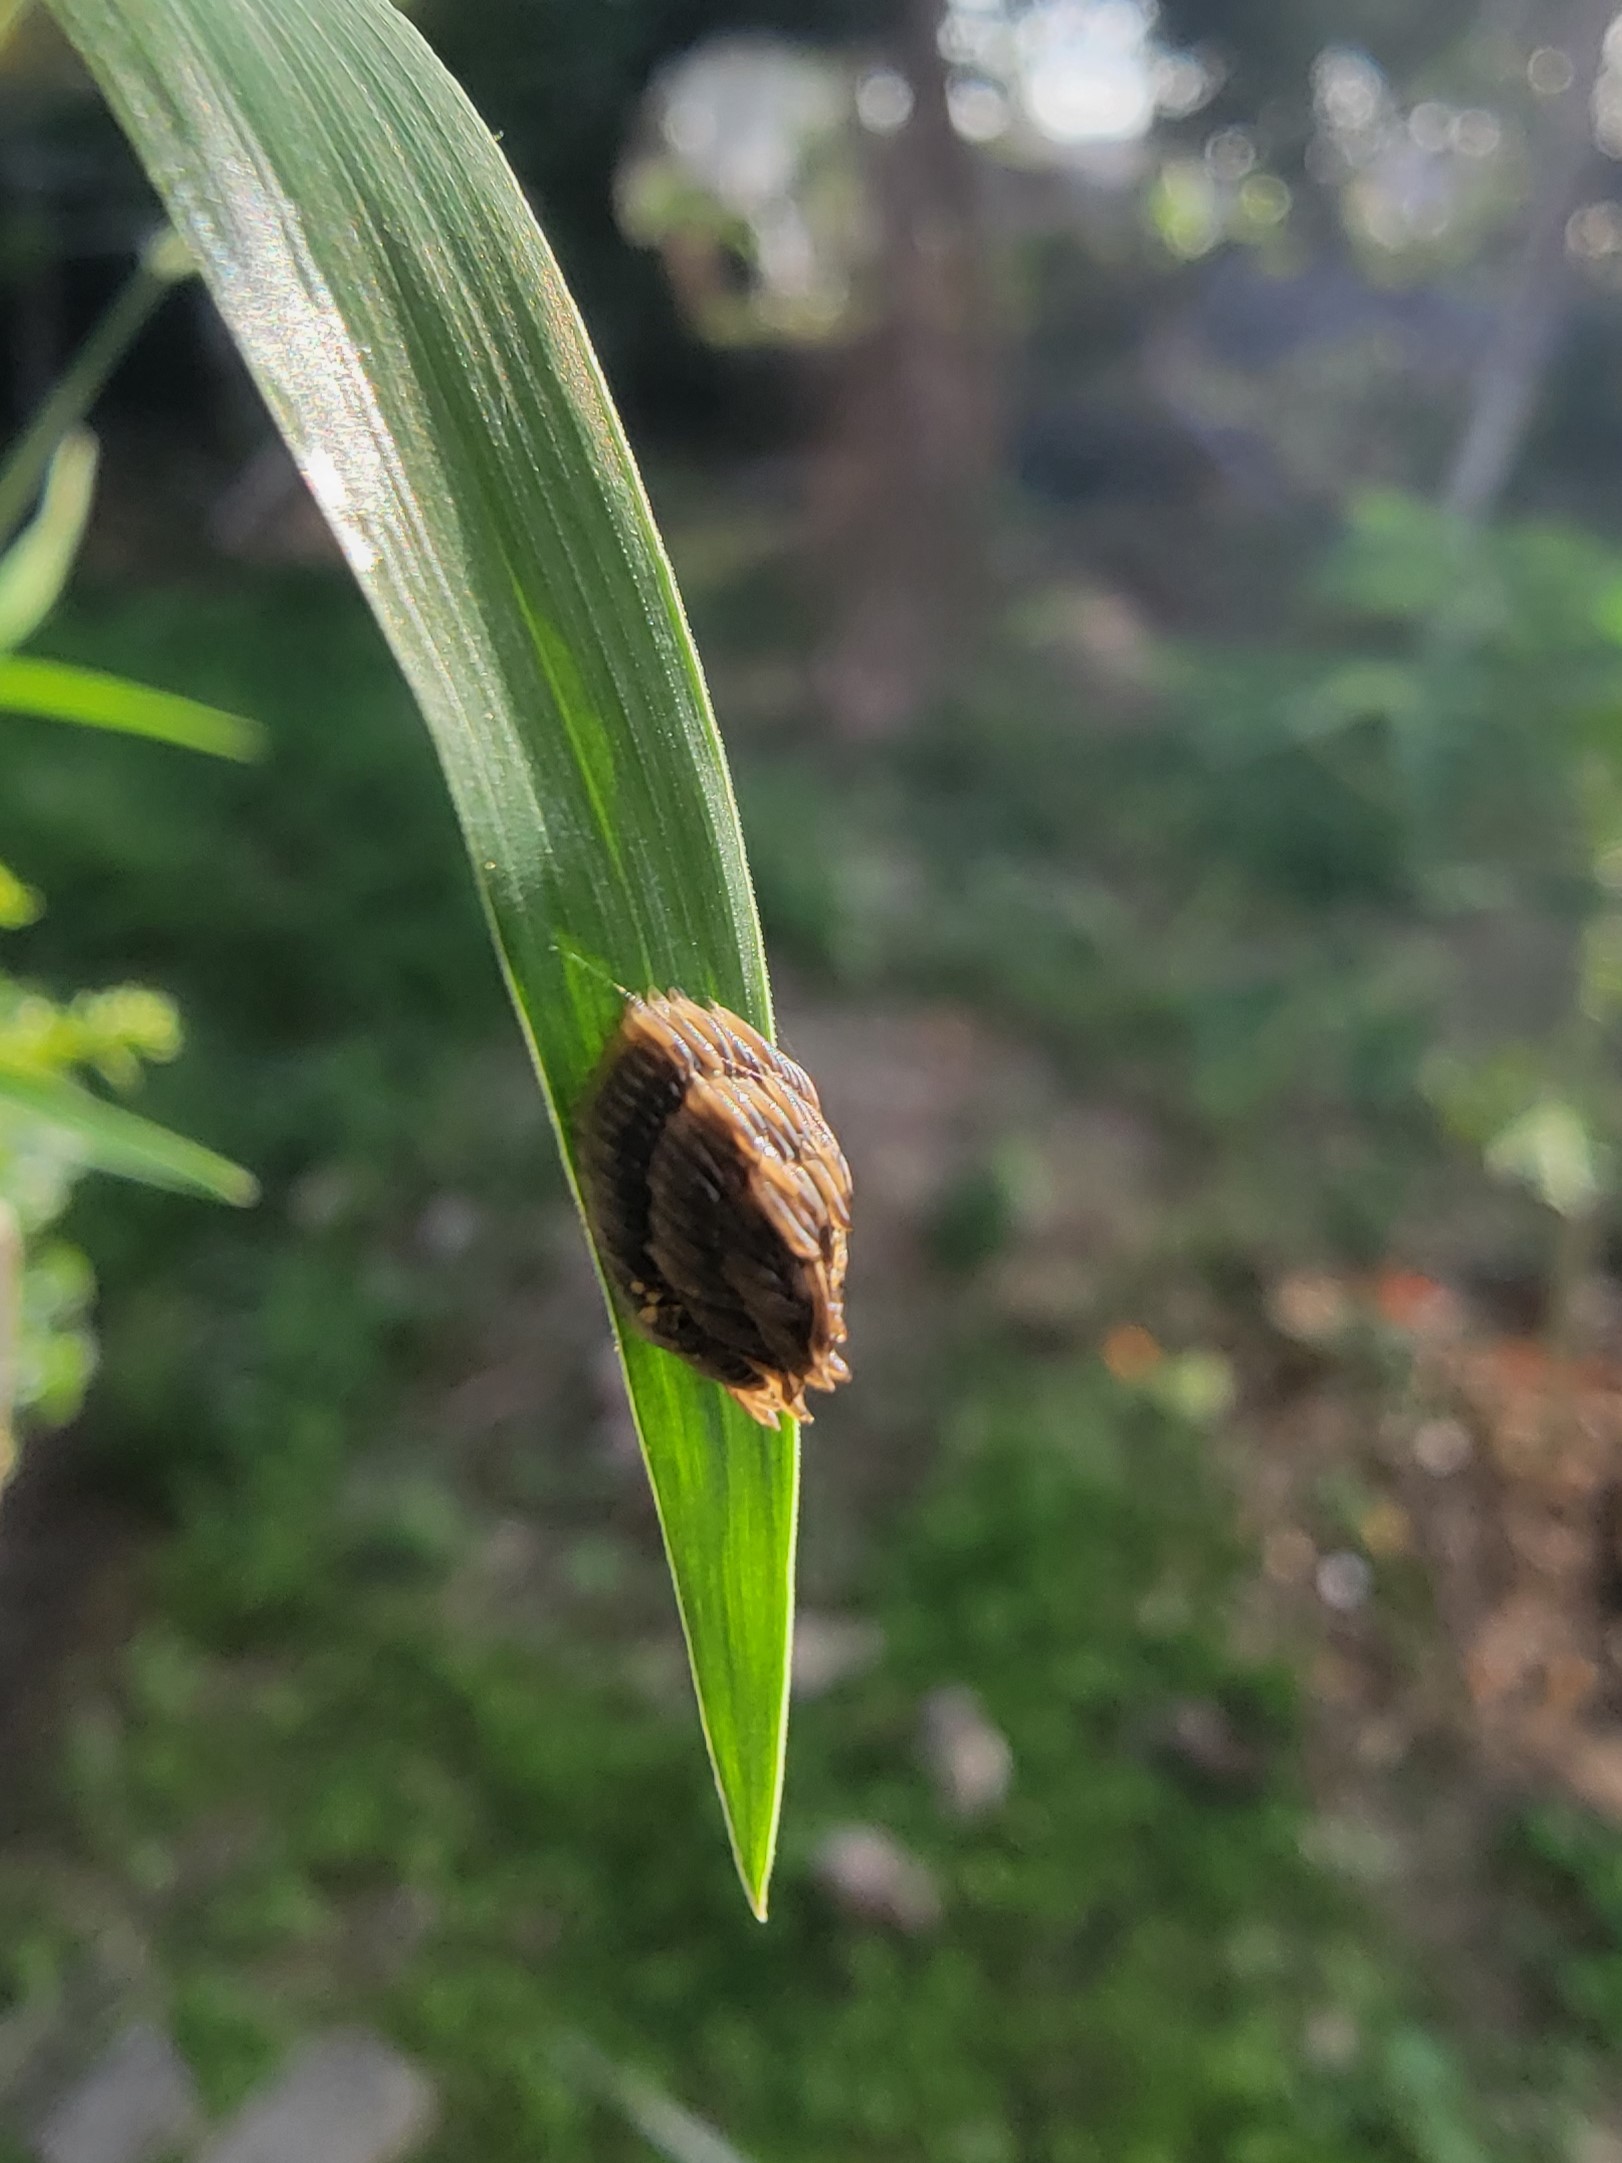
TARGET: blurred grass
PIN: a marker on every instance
(454, 1834)
(355, 1073)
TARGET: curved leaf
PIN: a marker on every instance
(381, 271)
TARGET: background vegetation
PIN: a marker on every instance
(1167, 633)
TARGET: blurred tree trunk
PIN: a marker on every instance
(1536, 301)
(901, 477)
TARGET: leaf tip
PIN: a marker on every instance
(754, 1859)
(239, 738)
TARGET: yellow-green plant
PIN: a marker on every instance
(53, 1128)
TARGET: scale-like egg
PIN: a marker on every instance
(720, 1202)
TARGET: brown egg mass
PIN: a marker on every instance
(720, 1202)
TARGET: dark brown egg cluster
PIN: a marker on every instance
(720, 1202)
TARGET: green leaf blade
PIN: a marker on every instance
(36, 566)
(387, 284)
(108, 1138)
(57, 691)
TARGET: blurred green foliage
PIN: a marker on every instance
(337, 1065)
(1133, 1953)
(1250, 894)
(1262, 889)
(109, 1033)
(1573, 1864)
(338, 1773)
(52, 1131)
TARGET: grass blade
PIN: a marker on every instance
(679, 2135)
(56, 691)
(36, 566)
(107, 1138)
(380, 270)
(163, 264)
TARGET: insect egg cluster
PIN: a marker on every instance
(720, 1201)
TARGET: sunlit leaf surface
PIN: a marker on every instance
(387, 283)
